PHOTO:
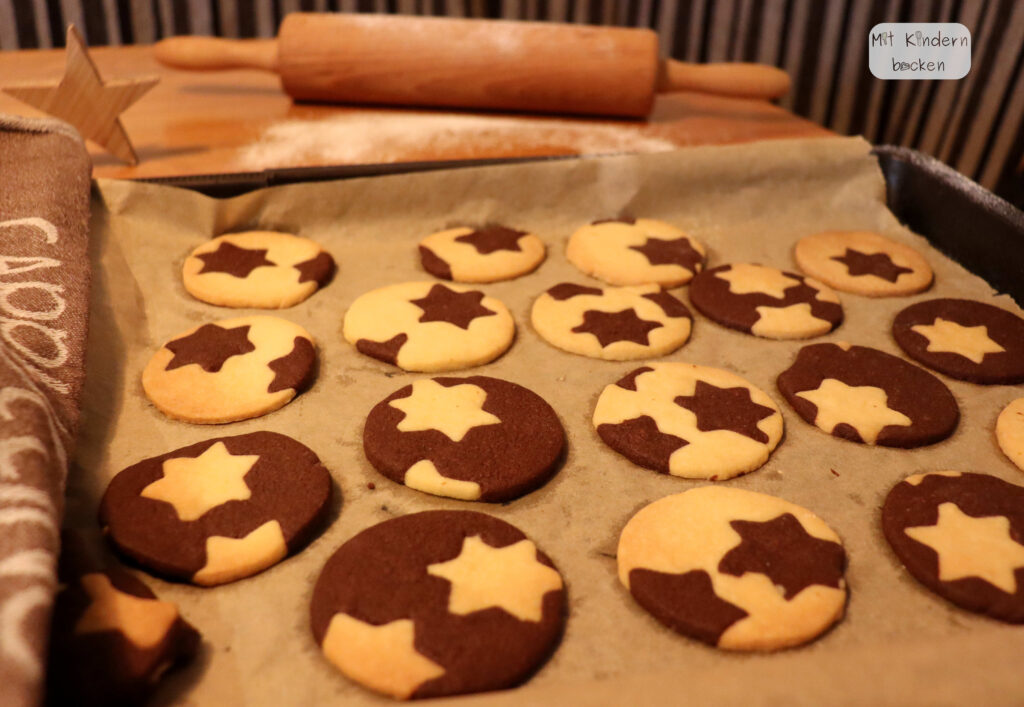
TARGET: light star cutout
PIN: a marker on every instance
(971, 342)
(972, 547)
(195, 485)
(83, 99)
(864, 407)
(747, 278)
(144, 622)
(451, 410)
(509, 578)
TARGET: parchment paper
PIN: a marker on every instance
(898, 643)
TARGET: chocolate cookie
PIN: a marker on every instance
(690, 421)
(427, 326)
(864, 263)
(262, 269)
(962, 536)
(736, 569)
(476, 439)
(866, 395)
(1010, 432)
(111, 638)
(486, 254)
(230, 370)
(964, 339)
(612, 323)
(636, 252)
(766, 301)
(438, 603)
(218, 510)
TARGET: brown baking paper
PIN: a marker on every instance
(898, 643)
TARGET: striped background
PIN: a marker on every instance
(976, 124)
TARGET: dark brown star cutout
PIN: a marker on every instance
(726, 409)
(685, 602)
(568, 290)
(879, 264)
(783, 551)
(231, 259)
(610, 327)
(642, 442)
(676, 251)
(458, 308)
(209, 346)
(317, 269)
(493, 238)
(295, 369)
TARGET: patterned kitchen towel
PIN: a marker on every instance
(44, 298)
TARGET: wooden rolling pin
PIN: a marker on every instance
(464, 63)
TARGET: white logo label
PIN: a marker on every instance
(919, 50)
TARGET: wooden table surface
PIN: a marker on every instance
(241, 121)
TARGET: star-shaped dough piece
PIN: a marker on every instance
(459, 308)
(747, 278)
(144, 622)
(878, 264)
(676, 251)
(451, 410)
(726, 409)
(863, 407)
(972, 547)
(971, 342)
(233, 260)
(491, 239)
(209, 347)
(610, 327)
(196, 485)
(508, 577)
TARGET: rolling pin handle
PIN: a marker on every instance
(213, 54)
(735, 79)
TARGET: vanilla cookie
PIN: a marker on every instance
(612, 323)
(219, 510)
(864, 263)
(690, 421)
(1010, 432)
(486, 254)
(427, 326)
(866, 395)
(636, 252)
(964, 339)
(736, 569)
(230, 370)
(766, 301)
(962, 536)
(262, 269)
(476, 439)
(438, 603)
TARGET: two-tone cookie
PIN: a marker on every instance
(438, 603)
(263, 269)
(1010, 432)
(639, 251)
(766, 301)
(218, 510)
(866, 395)
(611, 323)
(963, 339)
(427, 326)
(230, 370)
(486, 254)
(864, 263)
(475, 438)
(690, 421)
(111, 638)
(962, 536)
(736, 569)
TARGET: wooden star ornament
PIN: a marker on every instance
(86, 101)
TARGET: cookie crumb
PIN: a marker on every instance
(370, 485)
(834, 472)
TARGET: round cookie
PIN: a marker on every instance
(476, 438)
(962, 536)
(487, 254)
(230, 370)
(690, 421)
(1010, 432)
(263, 269)
(640, 251)
(964, 339)
(766, 301)
(427, 326)
(218, 510)
(736, 569)
(612, 323)
(864, 263)
(866, 395)
(438, 603)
